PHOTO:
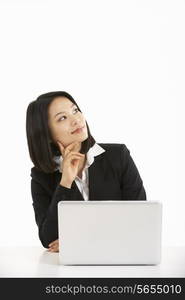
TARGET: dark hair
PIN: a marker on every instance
(41, 148)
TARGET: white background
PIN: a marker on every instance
(123, 62)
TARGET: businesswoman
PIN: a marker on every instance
(70, 165)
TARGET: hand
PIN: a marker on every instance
(70, 163)
(54, 246)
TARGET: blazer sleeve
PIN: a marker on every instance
(45, 207)
(131, 182)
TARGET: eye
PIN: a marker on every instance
(76, 109)
(60, 119)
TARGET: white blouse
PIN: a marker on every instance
(83, 183)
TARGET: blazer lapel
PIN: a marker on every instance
(77, 192)
(95, 178)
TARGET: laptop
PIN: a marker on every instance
(109, 232)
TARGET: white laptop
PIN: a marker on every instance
(109, 232)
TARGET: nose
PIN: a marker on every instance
(75, 121)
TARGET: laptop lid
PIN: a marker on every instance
(109, 232)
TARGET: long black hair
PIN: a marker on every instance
(42, 149)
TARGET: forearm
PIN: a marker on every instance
(48, 221)
(65, 183)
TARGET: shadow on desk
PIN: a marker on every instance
(49, 258)
(48, 265)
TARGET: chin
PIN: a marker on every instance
(82, 139)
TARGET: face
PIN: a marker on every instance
(63, 119)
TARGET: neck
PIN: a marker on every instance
(82, 163)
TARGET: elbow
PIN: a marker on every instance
(143, 194)
(44, 241)
(47, 237)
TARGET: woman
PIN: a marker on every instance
(70, 165)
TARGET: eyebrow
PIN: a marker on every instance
(61, 112)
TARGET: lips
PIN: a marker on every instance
(77, 129)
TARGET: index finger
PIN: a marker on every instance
(62, 149)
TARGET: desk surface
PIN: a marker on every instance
(38, 262)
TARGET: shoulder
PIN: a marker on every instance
(41, 177)
(117, 154)
(36, 173)
(114, 148)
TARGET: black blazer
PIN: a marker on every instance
(112, 176)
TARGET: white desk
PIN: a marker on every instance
(38, 262)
